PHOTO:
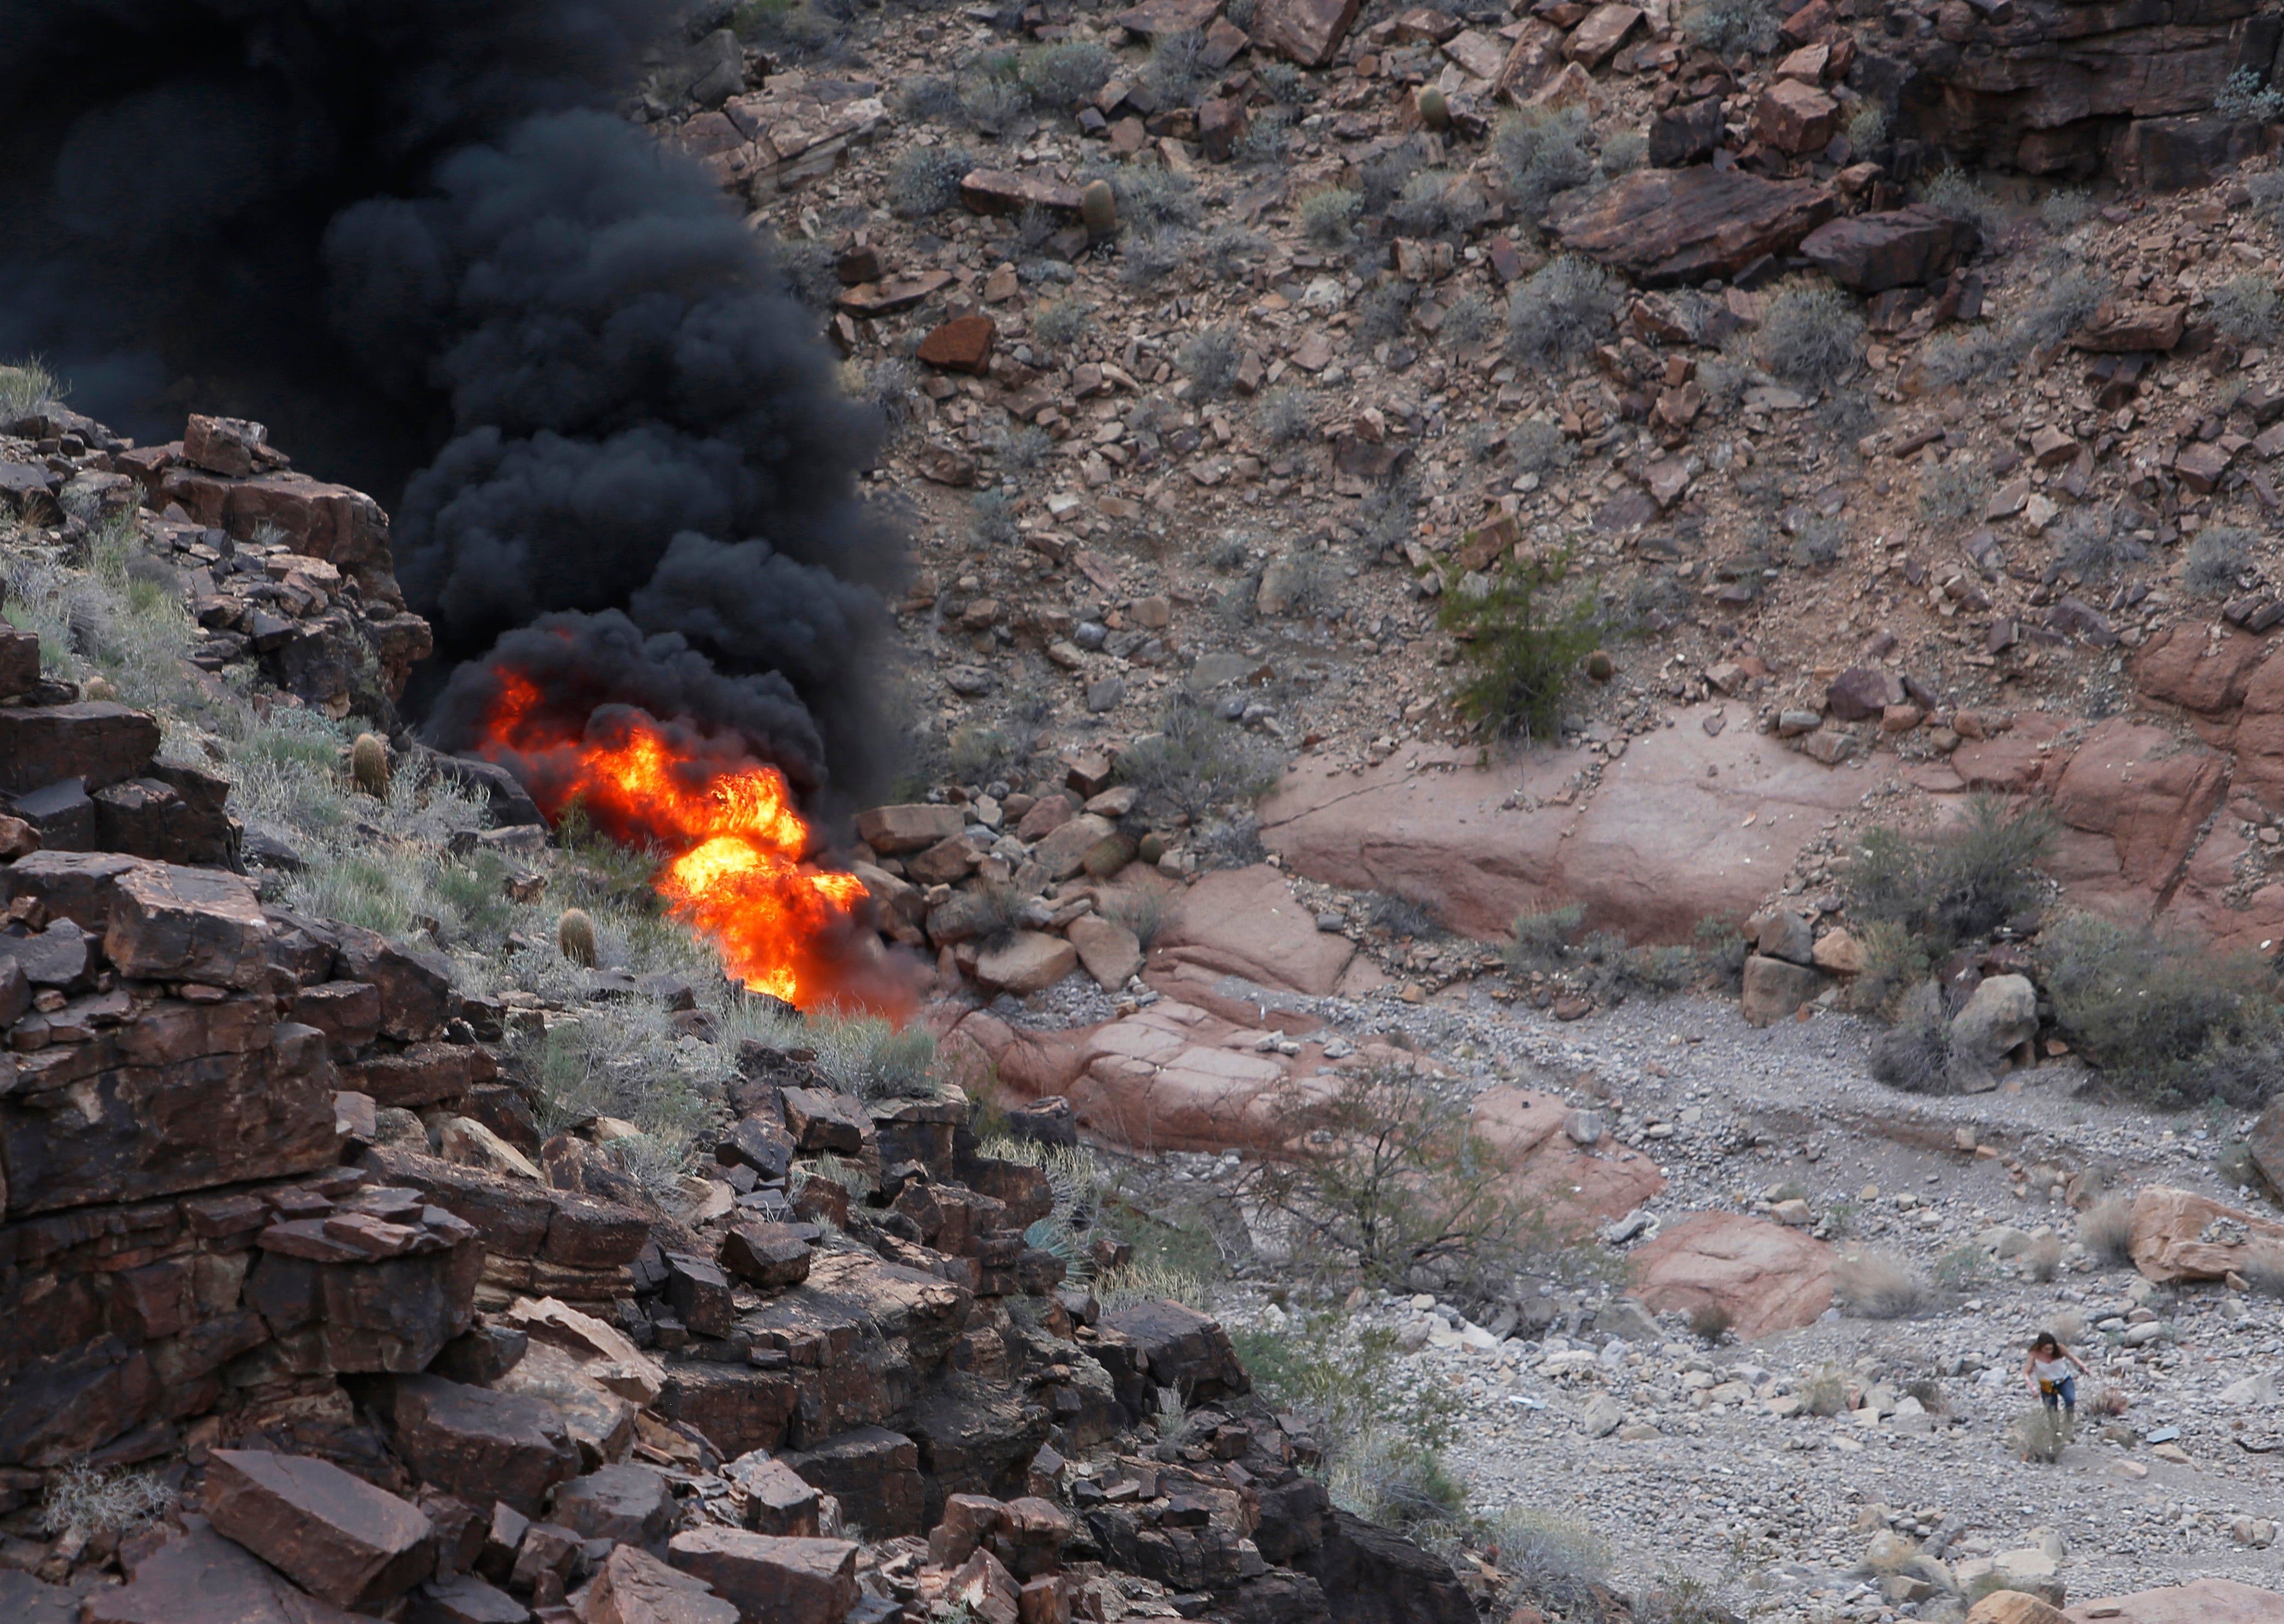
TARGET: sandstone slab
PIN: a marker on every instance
(1575, 1184)
(2200, 1601)
(2177, 1234)
(1766, 1276)
(1246, 922)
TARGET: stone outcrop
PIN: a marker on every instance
(2062, 89)
(1766, 1276)
(1667, 227)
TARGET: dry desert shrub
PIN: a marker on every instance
(1878, 1286)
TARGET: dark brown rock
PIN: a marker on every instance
(1001, 191)
(892, 830)
(229, 445)
(187, 1096)
(875, 1475)
(348, 1012)
(420, 1074)
(628, 1504)
(334, 1306)
(1382, 1577)
(699, 1293)
(771, 1256)
(20, 661)
(774, 1497)
(480, 1445)
(94, 740)
(635, 1588)
(204, 1579)
(1685, 134)
(961, 345)
(333, 1534)
(1154, 17)
(1795, 117)
(770, 1579)
(1664, 227)
(1308, 32)
(2116, 327)
(172, 923)
(1862, 693)
(824, 1120)
(1222, 124)
(415, 986)
(76, 885)
(464, 1599)
(1182, 1348)
(1870, 252)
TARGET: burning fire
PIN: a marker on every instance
(735, 867)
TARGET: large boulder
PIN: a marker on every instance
(1574, 1183)
(1775, 988)
(1667, 227)
(333, 1534)
(1765, 1275)
(2146, 788)
(1308, 32)
(2001, 1017)
(1871, 253)
(2175, 1235)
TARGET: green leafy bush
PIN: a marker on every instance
(1959, 885)
(1726, 27)
(1913, 1055)
(1211, 358)
(1953, 493)
(1328, 217)
(1540, 938)
(1877, 1286)
(24, 388)
(1062, 74)
(1286, 415)
(2169, 1022)
(1390, 1184)
(2245, 96)
(1523, 643)
(1952, 192)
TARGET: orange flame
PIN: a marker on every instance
(736, 850)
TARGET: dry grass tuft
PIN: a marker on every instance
(1877, 1286)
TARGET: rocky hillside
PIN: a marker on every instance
(1553, 655)
(336, 1294)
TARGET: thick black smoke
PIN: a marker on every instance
(583, 664)
(412, 236)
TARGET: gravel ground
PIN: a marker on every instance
(1777, 1513)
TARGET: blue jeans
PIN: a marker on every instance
(2065, 1389)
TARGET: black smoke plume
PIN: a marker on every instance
(413, 237)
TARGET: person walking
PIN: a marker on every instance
(2047, 1371)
